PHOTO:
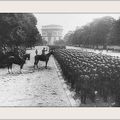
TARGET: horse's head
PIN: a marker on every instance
(26, 56)
(50, 52)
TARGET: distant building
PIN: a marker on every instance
(51, 33)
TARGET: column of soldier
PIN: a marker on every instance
(89, 73)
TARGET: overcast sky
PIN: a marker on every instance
(68, 21)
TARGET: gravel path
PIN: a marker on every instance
(34, 87)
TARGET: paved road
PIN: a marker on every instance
(32, 88)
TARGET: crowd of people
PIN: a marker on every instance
(90, 73)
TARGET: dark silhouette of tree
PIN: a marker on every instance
(18, 29)
(114, 35)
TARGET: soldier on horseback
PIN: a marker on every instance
(43, 51)
(42, 57)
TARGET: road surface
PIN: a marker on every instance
(34, 87)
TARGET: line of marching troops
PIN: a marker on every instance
(90, 73)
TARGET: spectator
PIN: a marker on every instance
(36, 51)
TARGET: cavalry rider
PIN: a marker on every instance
(43, 51)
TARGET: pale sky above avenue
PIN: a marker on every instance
(69, 21)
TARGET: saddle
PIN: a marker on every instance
(43, 55)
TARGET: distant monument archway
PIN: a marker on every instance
(52, 33)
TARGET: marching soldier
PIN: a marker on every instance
(88, 72)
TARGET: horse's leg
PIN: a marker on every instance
(21, 67)
(46, 64)
(20, 70)
(35, 64)
(11, 68)
(8, 69)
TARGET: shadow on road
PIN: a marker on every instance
(43, 68)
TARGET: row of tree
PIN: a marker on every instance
(18, 29)
(101, 32)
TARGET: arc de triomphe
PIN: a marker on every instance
(51, 33)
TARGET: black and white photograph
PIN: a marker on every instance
(59, 60)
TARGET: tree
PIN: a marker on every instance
(114, 36)
(18, 29)
(93, 34)
(59, 42)
(68, 38)
(101, 29)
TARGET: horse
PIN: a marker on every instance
(3, 60)
(44, 58)
(15, 60)
(9, 58)
(27, 56)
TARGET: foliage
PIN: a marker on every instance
(59, 42)
(114, 35)
(18, 29)
(93, 34)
